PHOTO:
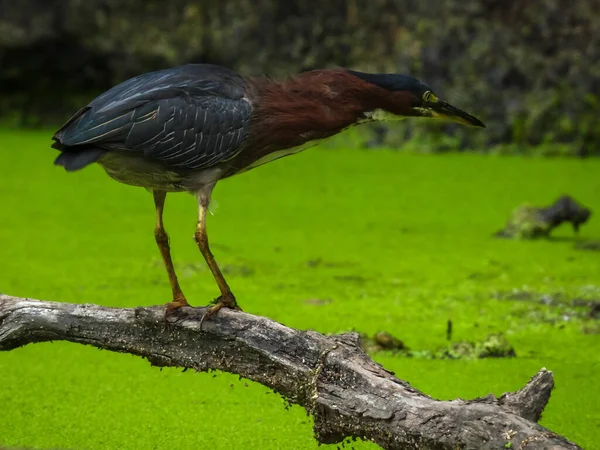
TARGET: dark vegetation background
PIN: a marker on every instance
(529, 68)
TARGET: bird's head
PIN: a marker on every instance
(406, 96)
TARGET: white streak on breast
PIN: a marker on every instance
(280, 154)
(380, 115)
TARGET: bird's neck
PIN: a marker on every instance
(312, 106)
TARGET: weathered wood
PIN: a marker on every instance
(346, 391)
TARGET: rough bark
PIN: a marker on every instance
(348, 394)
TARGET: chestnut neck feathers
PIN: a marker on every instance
(316, 104)
(311, 106)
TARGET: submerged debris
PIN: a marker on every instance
(531, 222)
(240, 270)
(595, 311)
(563, 307)
(387, 341)
(592, 306)
(382, 340)
(493, 346)
(593, 246)
(317, 301)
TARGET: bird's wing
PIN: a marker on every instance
(190, 117)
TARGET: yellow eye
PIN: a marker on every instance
(429, 97)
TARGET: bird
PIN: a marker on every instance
(185, 128)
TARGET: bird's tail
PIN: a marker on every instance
(74, 159)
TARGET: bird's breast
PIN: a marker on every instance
(136, 170)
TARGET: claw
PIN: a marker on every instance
(224, 301)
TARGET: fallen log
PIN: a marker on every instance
(348, 394)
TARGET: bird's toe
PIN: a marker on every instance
(224, 301)
(177, 303)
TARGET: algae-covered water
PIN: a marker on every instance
(332, 240)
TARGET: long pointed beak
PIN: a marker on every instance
(443, 110)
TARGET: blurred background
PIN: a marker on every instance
(389, 230)
(530, 68)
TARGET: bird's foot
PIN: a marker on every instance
(224, 301)
(178, 302)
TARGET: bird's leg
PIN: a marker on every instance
(227, 299)
(162, 240)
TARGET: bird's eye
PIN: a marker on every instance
(429, 97)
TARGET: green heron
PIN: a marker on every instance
(186, 128)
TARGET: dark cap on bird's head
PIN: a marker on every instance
(424, 103)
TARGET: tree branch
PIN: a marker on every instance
(347, 393)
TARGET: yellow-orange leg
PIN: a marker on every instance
(162, 240)
(226, 299)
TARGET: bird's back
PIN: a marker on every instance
(188, 117)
